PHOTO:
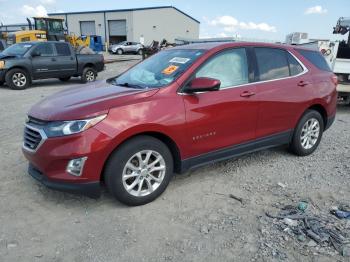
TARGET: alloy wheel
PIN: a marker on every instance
(310, 133)
(19, 79)
(143, 173)
(90, 76)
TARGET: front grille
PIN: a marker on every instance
(32, 138)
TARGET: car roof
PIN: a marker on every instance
(222, 45)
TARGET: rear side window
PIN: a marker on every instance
(294, 66)
(272, 63)
(62, 49)
(316, 59)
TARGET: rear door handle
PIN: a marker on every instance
(247, 94)
(303, 83)
(53, 59)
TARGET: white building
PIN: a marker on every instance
(152, 23)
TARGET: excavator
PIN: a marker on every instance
(48, 29)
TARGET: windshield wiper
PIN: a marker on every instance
(130, 85)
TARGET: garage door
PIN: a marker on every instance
(87, 28)
(117, 27)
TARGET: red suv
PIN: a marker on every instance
(179, 109)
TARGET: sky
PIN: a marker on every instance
(264, 19)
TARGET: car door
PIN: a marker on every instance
(128, 47)
(66, 61)
(281, 80)
(44, 61)
(227, 117)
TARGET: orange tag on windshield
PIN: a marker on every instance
(170, 69)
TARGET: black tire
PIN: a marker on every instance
(21, 74)
(140, 52)
(114, 168)
(120, 51)
(89, 75)
(65, 79)
(296, 145)
(2, 83)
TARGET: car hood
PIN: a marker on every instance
(86, 101)
(4, 56)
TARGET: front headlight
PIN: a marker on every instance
(64, 128)
(2, 64)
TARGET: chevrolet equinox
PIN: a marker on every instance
(179, 109)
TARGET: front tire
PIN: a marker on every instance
(120, 51)
(89, 75)
(17, 79)
(307, 134)
(139, 170)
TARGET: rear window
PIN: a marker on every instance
(62, 49)
(272, 63)
(316, 59)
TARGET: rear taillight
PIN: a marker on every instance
(335, 79)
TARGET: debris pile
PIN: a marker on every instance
(322, 232)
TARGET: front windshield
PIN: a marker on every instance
(159, 70)
(17, 49)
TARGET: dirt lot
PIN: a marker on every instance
(191, 221)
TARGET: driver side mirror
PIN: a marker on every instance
(203, 84)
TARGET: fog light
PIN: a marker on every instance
(75, 166)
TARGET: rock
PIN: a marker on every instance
(346, 251)
(301, 238)
(281, 185)
(12, 244)
(311, 243)
(39, 255)
(290, 222)
(204, 229)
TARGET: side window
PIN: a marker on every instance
(272, 63)
(45, 49)
(294, 66)
(230, 67)
(316, 59)
(62, 49)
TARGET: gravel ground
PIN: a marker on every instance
(194, 220)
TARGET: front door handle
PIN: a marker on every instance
(247, 94)
(303, 83)
(53, 59)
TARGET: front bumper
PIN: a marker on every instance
(91, 189)
(48, 163)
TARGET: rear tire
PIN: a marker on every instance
(89, 75)
(1, 83)
(140, 52)
(17, 79)
(128, 174)
(64, 79)
(308, 133)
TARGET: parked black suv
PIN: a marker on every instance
(23, 62)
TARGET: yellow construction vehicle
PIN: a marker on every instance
(44, 29)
